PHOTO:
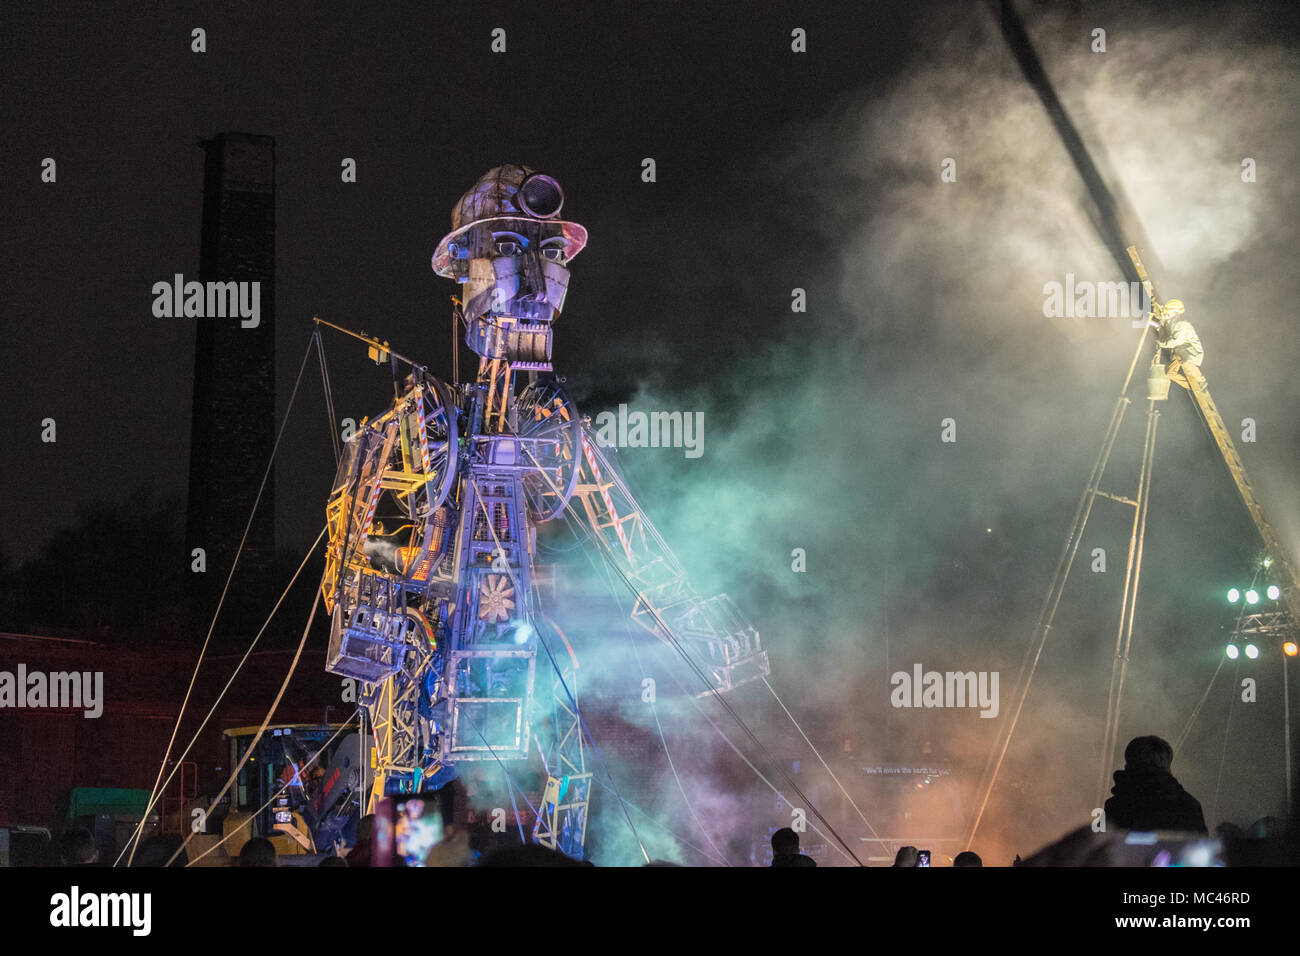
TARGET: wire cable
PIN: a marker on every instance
(663, 741)
(275, 796)
(685, 655)
(222, 600)
(154, 798)
(329, 397)
(1223, 753)
(293, 666)
(672, 636)
(583, 533)
(1196, 711)
(852, 803)
(731, 711)
(843, 851)
(679, 838)
(554, 664)
(511, 784)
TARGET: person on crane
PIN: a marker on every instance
(1175, 333)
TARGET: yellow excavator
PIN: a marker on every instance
(300, 789)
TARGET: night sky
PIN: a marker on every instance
(118, 99)
(775, 171)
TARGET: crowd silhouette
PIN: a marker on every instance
(1149, 820)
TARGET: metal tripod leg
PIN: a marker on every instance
(1128, 608)
(1070, 548)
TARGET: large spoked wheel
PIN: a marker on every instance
(441, 441)
(551, 433)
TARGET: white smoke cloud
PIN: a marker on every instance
(926, 302)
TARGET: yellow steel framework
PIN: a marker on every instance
(724, 642)
(364, 474)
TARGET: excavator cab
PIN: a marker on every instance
(301, 788)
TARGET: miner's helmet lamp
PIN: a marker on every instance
(508, 198)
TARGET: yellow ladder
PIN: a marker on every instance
(1283, 571)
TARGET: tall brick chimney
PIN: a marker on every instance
(233, 425)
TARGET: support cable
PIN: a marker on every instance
(874, 834)
(154, 798)
(686, 656)
(1064, 563)
(154, 792)
(1128, 606)
(1196, 711)
(1223, 752)
(554, 664)
(293, 666)
(275, 796)
(329, 396)
(847, 854)
(663, 741)
(511, 784)
(584, 533)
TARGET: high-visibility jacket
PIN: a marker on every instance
(291, 776)
(1177, 334)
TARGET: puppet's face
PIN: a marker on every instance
(517, 268)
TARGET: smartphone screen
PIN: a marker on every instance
(1144, 848)
(922, 857)
(420, 823)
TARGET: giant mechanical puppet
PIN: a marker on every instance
(439, 619)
